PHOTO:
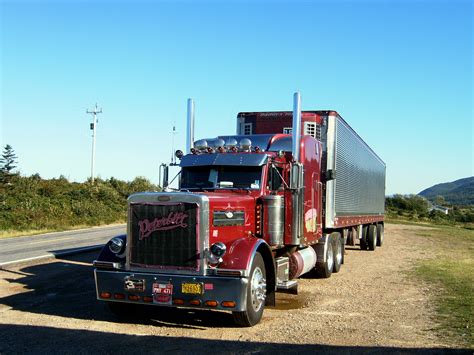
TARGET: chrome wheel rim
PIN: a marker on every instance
(258, 289)
(330, 257)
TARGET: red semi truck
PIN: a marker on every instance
(253, 212)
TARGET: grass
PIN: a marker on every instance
(451, 270)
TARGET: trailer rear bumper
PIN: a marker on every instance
(183, 290)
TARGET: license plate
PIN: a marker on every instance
(162, 293)
(191, 288)
(136, 285)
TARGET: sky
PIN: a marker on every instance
(399, 72)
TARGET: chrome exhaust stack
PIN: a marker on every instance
(296, 175)
(190, 131)
(296, 129)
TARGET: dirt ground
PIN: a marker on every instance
(371, 305)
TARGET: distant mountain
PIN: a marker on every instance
(459, 192)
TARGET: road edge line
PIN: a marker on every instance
(51, 255)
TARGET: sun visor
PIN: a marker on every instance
(242, 159)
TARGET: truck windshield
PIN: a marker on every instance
(224, 177)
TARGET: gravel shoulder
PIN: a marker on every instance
(370, 305)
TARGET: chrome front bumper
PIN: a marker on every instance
(215, 288)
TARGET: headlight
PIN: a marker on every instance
(216, 252)
(116, 245)
(218, 249)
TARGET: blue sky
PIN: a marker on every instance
(400, 72)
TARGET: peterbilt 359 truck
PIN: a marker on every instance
(253, 212)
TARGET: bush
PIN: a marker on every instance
(33, 203)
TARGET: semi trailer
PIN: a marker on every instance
(253, 212)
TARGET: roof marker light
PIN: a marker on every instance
(245, 144)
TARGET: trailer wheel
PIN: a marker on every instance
(338, 251)
(256, 293)
(372, 237)
(363, 239)
(352, 236)
(324, 269)
(379, 234)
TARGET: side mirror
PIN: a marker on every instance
(165, 169)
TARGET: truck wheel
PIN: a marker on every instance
(379, 234)
(338, 251)
(324, 269)
(350, 237)
(363, 239)
(256, 294)
(372, 237)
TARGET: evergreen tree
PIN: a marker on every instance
(8, 162)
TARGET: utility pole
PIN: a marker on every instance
(93, 125)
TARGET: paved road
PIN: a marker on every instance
(13, 250)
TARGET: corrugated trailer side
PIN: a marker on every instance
(356, 193)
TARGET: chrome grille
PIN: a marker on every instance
(164, 235)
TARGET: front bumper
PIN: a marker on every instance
(219, 289)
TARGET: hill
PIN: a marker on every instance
(459, 192)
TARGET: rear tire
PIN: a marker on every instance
(338, 251)
(324, 269)
(372, 237)
(256, 294)
(363, 239)
(380, 234)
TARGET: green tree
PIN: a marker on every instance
(439, 200)
(8, 162)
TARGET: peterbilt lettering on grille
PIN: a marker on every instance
(174, 220)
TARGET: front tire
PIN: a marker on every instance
(256, 294)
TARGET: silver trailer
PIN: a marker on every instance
(355, 186)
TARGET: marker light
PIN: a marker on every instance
(219, 142)
(231, 143)
(245, 144)
(201, 144)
